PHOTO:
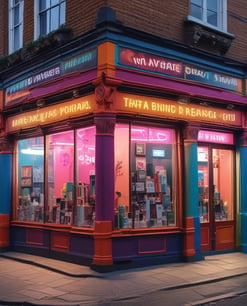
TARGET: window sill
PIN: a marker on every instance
(198, 34)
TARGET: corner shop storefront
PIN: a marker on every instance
(121, 175)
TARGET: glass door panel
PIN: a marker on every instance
(203, 183)
(223, 184)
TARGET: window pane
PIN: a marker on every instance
(85, 185)
(16, 38)
(54, 18)
(44, 23)
(60, 177)
(31, 179)
(212, 17)
(62, 13)
(44, 4)
(212, 5)
(152, 177)
(196, 8)
(16, 15)
(53, 2)
(52, 15)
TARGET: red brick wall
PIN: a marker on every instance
(81, 15)
(28, 27)
(3, 27)
(237, 25)
(161, 18)
(164, 18)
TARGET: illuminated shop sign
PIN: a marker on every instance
(215, 137)
(177, 69)
(51, 114)
(171, 109)
(23, 87)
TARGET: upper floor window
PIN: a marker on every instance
(15, 24)
(50, 15)
(212, 13)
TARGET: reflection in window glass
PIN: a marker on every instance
(85, 187)
(30, 162)
(60, 177)
(152, 193)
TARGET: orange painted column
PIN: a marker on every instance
(104, 120)
(4, 230)
(102, 260)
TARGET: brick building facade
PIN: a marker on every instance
(118, 128)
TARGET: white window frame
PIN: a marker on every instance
(37, 17)
(222, 16)
(12, 25)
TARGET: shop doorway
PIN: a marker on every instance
(216, 181)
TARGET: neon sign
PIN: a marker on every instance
(216, 137)
(51, 114)
(172, 109)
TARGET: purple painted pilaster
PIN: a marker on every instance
(104, 209)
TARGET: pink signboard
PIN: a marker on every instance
(216, 137)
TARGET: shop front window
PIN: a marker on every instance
(152, 189)
(30, 177)
(66, 193)
(85, 187)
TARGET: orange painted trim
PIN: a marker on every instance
(189, 240)
(106, 59)
(60, 242)
(4, 230)
(103, 243)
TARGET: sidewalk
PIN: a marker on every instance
(43, 281)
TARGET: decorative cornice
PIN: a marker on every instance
(202, 36)
(104, 95)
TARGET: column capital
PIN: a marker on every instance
(190, 133)
(105, 124)
(6, 145)
(243, 138)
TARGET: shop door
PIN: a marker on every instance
(216, 181)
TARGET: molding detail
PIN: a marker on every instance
(243, 139)
(202, 36)
(104, 95)
(105, 124)
(190, 133)
(5, 145)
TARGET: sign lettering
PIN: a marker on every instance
(172, 109)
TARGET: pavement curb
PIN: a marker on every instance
(216, 298)
(34, 263)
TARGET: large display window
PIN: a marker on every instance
(30, 173)
(65, 194)
(145, 192)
